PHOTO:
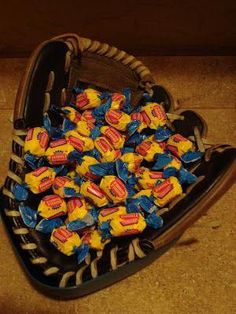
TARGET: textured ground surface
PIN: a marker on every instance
(189, 278)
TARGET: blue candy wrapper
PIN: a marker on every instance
(54, 133)
(132, 127)
(154, 221)
(100, 111)
(28, 215)
(81, 252)
(191, 156)
(186, 177)
(33, 162)
(170, 172)
(47, 225)
(103, 169)
(161, 160)
(162, 134)
(136, 139)
(105, 230)
(76, 225)
(20, 192)
(122, 170)
(127, 107)
(95, 132)
(68, 125)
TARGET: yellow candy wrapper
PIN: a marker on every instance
(128, 224)
(65, 241)
(40, 179)
(90, 98)
(83, 169)
(133, 160)
(147, 192)
(108, 153)
(94, 239)
(58, 151)
(94, 193)
(79, 142)
(117, 140)
(117, 101)
(118, 119)
(166, 191)
(77, 208)
(174, 163)
(110, 213)
(154, 115)
(52, 206)
(65, 187)
(72, 114)
(149, 148)
(84, 127)
(87, 115)
(148, 179)
(179, 145)
(36, 141)
(114, 189)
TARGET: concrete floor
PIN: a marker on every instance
(196, 276)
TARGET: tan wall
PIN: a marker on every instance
(141, 26)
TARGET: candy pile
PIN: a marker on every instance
(104, 171)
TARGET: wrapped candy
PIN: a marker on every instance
(83, 167)
(179, 145)
(65, 187)
(69, 243)
(84, 127)
(94, 193)
(87, 115)
(149, 148)
(124, 225)
(132, 160)
(58, 151)
(119, 164)
(93, 239)
(106, 150)
(117, 101)
(118, 119)
(77, 208)
(52, 206)
(79, 142)
(153, 115)
(183, 148)
(117, 140)
(88, 99)
(147, 192)
(36, 141)
(148, 179)
(40, 179)
(110, 213)
(166, 191)
(114, 189)
(72, 114)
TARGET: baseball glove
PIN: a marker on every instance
(54, 69)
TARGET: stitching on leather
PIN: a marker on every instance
(20, 231)
(67, 61)
(113, 257)
(79, 275)
(39, 260)
(51, 271)
(46, 104)
(93, 264)
(65, 278)
(51, 78)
